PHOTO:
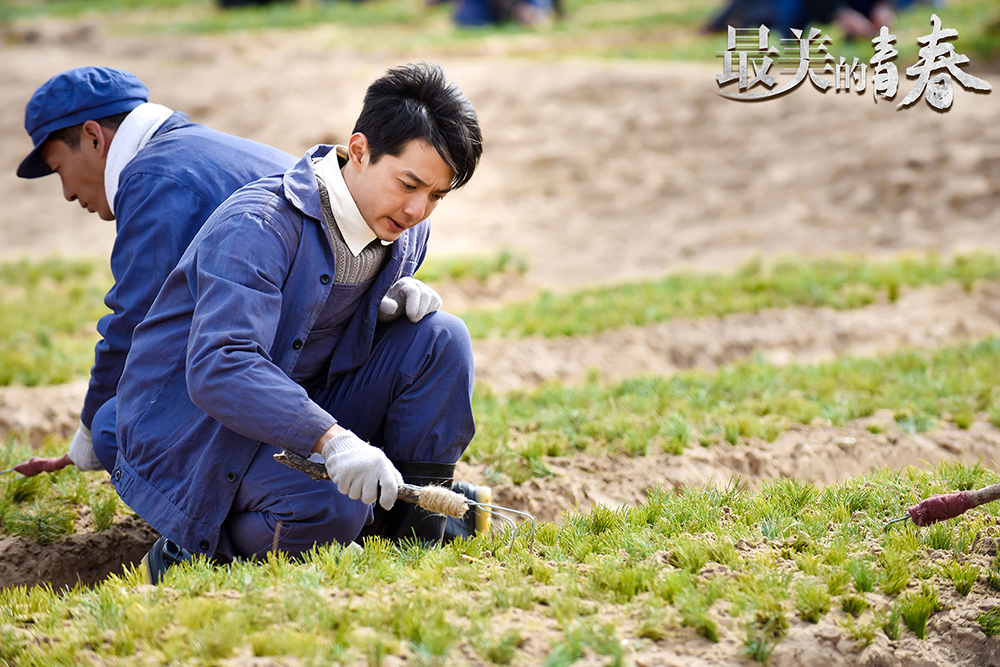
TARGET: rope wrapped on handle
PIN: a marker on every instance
(434, 499)
(37, 464)
(940, 508)
(948, 505)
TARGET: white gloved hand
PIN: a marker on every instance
(358, 469)
(411, 296)
(81, 450)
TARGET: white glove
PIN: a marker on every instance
(81, 450)
(409, 295)
(358, 469)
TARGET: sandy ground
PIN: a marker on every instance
(598, 172)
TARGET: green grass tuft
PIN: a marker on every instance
(39, 523)
(854, 604)
(963, 575)
(476, 268)
(812, 600)
(841, 282)
(668, 562)
(104, 510)
(916, 608)
(990, 622)
(517, 431)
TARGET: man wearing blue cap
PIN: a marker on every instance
(156, 174)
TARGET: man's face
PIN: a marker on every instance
(397, 192)
(81, 172)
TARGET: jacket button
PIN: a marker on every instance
(325, 279)
(231, 476)
(203, 545)
(297, 345)
(118, 475)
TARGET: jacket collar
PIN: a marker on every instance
(300, 186)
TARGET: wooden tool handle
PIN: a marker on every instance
(987, 494)
(407, 492)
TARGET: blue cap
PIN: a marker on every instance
(74, 97)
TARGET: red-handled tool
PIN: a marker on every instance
(36, 464)
(948, 505)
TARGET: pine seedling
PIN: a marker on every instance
(890, 622)
(836, 579)
(811, 600)
(916, 608)
(71, 487)
(761, 639)
(499, 650)
(38, 523)
(897, 571)
(104, 510)
(957, 476)
(990, 622)
(862, 631)
(864, 573)
(677, 434)
(689, 553)
(289, 641)
(653, 621)
(24, 489)
(963, 575)
(854, 604)
(963, 419)
(693, 606)
(938, 536)
(993, 574)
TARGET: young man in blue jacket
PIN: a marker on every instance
(293, 322)
(158, 176)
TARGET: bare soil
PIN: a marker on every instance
(598, 172)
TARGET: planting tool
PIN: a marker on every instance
(434, 499)
(948, 505)
(36, 464)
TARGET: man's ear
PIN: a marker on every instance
(357, 151)
(94, 137)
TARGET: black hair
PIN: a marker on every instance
(415, 101)
(71, 135)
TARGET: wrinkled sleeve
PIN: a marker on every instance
(241, 267)
(157, 217)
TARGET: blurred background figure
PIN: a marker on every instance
(471, 13)
(857, 18)
(247, 3)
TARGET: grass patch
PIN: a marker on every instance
(915, 608)
(637, 29)
(40, 523)
(963, 575)
(477, 268)
(841, 282)
(812, 600)
(990, 622)
(45, 507)
(749, 399)
(643, 568)
(51, 308)
(50, 311)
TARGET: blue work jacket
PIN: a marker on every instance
(165, 194)
(209, 375)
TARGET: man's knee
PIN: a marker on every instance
(446, 336)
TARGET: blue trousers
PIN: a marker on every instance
(412, 399)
